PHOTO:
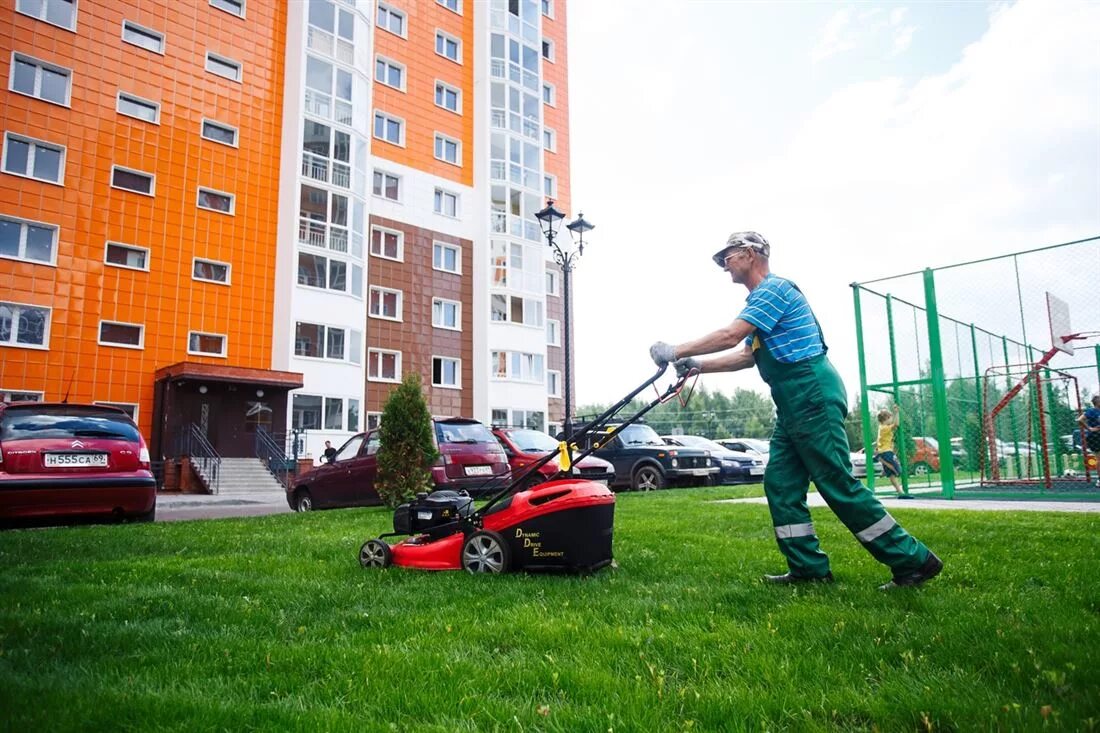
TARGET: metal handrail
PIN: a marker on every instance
(272, 453)
(193, 443)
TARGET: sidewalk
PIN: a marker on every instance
(816, 500)
(175, 500)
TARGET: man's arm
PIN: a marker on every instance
(731, 362)
(720, 340)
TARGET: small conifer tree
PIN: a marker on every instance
(407, 451)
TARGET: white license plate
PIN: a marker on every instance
(700, 471)
(479, 470)
(65, 460)
(756, 471)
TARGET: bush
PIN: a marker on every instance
(407, 451)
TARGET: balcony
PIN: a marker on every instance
(322, 235)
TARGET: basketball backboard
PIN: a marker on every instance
(1058, 314)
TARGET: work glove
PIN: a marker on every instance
(685, 366)
(662, 353)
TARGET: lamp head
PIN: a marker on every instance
(550, 218)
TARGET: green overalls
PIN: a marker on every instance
(809, 443)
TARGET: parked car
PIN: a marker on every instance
(747, 445)
(733, 466)
(470, 459)
(859, 465)
(70, 460)
(643, 462)
(958, 452)
(925, 458)
(524, 447)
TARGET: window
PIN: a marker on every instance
(385, 303)
(235, 7)
(446, 257)
(129, 408)
(455, 5)
(446, 203)
(131, 180)
(553, 383)
(448, 46)
(374, 419)
(314, 412)
(553, 333)
(447, 314)
(144, 37)
(387, 185)
(24, 325)
(447, 149)
(223, 66)
(142, 109)
(550, 186)
(32, 241)
(383, 366)
(549, 140)
(391, 19)
(387, 243)
(38, 79)
(448, 97)
(446, 372)
(127, 255)
(548, 50)
(128, 335)
(30, 158)
(10, 395)
(353, 415)
(390, 129)
(548, 8)
(219, 132)
(55, 12)
(517, 366)
(215, 200)
(499, 417)
(390, 73)
(516, 309)
(530, 419)
(210, 271)
(206, 344)
(552, 282)
(315, 341)
(548, 94)
(316, 271)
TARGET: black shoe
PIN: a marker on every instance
(791, 579)
(930, 569)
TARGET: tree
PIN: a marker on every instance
(407, 450)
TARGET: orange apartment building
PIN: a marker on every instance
(227, 215)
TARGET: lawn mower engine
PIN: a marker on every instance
(433, 514)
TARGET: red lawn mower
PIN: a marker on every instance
(562, 525)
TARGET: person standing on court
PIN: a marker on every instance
(778, 333)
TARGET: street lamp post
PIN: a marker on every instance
(551, 220)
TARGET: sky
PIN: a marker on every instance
(862, 140)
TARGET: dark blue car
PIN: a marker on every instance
(735, 467)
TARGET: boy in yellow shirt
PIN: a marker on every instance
(884, 447)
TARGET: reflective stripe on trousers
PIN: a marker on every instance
(787, 531)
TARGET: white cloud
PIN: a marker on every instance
(903, 38)
(837, 36)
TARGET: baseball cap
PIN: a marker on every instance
(739, 240)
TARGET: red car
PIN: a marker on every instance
(470, 459)
(523, 447)
(66, 460)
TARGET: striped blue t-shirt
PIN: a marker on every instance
(783, 320)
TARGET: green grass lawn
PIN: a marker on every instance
(270, 624)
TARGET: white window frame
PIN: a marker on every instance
(441, 34)
(556, 279)
(229, 128)
(16, 56)
(458, 372)
(549, 135)
(458, 314)
(552, 190)
(124, 245)
(547, 5)
(42, 15)
(324, 343)
(383, 196)
(556, 329)
(549, 55)
(141, 30)
(152, 180)
(553, 383)
(5, 395)
(386, 291)
(218, 58)
(45, 345)
(372, 417)
(397, 366)
(135, 99)
(139, 346)
(457, 5)
(33, 142)
(388, 62)
(232, 201)
(391, 10)
(220, 5)
(389, 118)
(20, 255)
(400, 243)
(439, 84)
(120, 405)
(553, 100)
(445, 139)
(444, 193)
(222, 336)
(458, 257)
(228, 271)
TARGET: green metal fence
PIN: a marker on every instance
(948, 344)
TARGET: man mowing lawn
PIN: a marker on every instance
(783, 339)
